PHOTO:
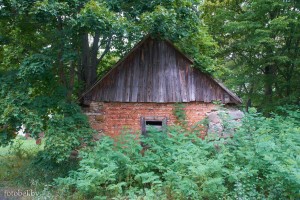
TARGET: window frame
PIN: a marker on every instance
(152, 118)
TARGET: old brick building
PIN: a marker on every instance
(143, 87)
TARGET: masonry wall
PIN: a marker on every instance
(111, 118)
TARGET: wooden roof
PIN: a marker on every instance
(156, 71)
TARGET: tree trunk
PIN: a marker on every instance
(71, 82)
(89, 60)
(60, 64)
(62, 75)
(269, 73)
(85, 61)
(94, 64)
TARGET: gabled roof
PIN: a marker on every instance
(156, 71)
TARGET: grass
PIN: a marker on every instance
(21, 168)
(27, 145)
(15, 157)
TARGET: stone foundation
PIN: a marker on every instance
(216, 120)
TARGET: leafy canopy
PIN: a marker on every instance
(259, 48)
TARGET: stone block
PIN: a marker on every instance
(215, 128)
(99, 118)
(214, 117)
(236, 114)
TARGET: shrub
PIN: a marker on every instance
(261, 161)
(176, 165)
(264, 158)
(67, 130)
(41, 107)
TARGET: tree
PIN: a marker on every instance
(54, 50)
(259, 43)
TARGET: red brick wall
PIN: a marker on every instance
(111, 118)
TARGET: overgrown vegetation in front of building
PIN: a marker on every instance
(261, 161)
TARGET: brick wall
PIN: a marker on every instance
(111, 118)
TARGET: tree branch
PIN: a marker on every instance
(106, 50)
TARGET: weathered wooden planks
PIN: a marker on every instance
(155, 71)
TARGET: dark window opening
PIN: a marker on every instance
(148, 123)
(154, 123)
(157, 125)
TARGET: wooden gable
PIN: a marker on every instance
(156, 71)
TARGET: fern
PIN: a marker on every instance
(261, 161)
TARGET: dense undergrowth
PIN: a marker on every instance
(23, 167)
(15, 157)
(261, 161)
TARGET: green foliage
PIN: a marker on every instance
(259, 49)
(41, 108)
(23, 167)
(36, 68)
(179, 112)
(68, 129)
(17, 150)
(261, 161)
(180, 22)
(119, 169)
(268, 149)
(40, 172)
(15, 159)
(14, 109)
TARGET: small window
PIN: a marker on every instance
(153, 122)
